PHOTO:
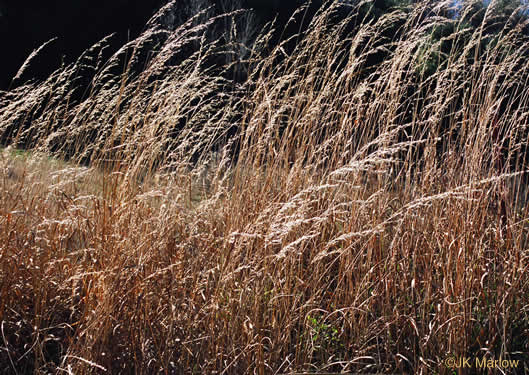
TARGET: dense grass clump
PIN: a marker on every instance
(331, 212)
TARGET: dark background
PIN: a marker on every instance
(25, 25)
(78, 24)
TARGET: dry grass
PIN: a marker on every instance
(359, 224)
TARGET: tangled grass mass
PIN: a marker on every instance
(356, 202)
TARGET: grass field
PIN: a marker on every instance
(361, 217)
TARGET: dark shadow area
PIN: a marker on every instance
(26, 25)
